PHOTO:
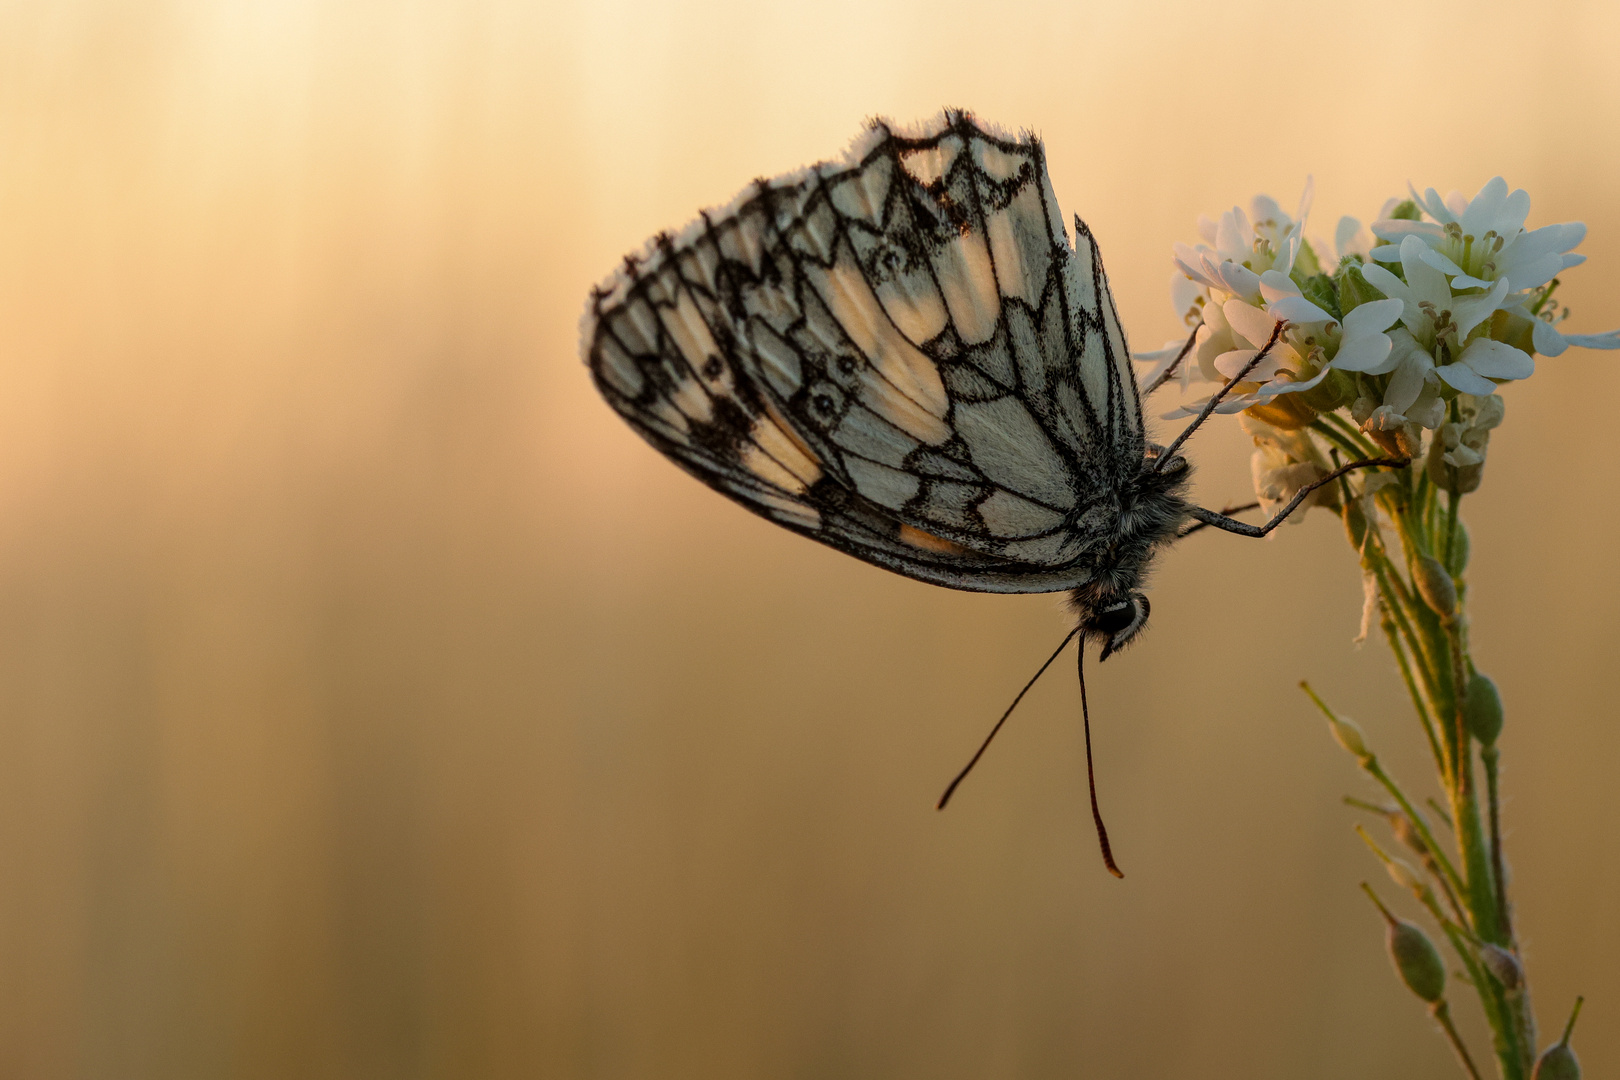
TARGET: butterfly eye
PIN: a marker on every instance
(1114, 618)
(1120, 622)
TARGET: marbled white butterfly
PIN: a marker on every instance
(902, 355)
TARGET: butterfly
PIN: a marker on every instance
(901, 353)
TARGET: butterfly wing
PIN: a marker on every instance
(898, 354)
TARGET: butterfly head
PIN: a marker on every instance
(1117, 621)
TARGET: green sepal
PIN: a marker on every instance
(1407, 211)
(1333, 392)
(1318, 289)
(1353, 289)
(1305, 262)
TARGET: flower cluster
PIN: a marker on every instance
(1408, 329)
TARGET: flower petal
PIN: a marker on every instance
(1548, 341)
(1532, 273)
(1297, 309)
(1469, 311)
(1240, 280)
(1432, 204)
(1249, 321)
(1397, 229)
(1184, 293)
(1548, 240)
(1465, 379)
(1234, 237)
(1407, 382)
(1440, 262)
(1425, 281)
(1273, 389)
(1610, 340)
(1386, 253)
(1306, 198)
(1230, 363)
(1368, 352)
(1276, 284)
(1372, 317)
(1386, 282)
(1497, 360)
(1485, 208)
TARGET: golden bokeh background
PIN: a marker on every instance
(375, 704)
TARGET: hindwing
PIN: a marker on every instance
(899, 353)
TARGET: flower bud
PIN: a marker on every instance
(1354, 290)
(1417, 960)
(1503, 965)
(1558, 1062)
(1434, 584)
(1482, 709)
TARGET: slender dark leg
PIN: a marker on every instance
(1221, 521)
(1209, 406)
(1189, 530)
(1175, 365)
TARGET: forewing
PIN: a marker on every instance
(898, 354)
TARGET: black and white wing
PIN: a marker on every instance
(898, 354)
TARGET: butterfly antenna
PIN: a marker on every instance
(951, 790)
(1091, 779)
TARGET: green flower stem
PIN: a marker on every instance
(1451, 526)
(1398, 602)
(1481, 893)
(1392, 634)
(1343, 431)
(1524, 1016)
(1442, 1015)
(1376, 771)
(1489, 755)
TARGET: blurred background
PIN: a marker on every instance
(373, 703)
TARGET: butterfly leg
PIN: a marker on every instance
(1175, 365)
(1221, 521)
(1229, 511)
(1209, 406)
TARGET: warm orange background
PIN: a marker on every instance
(375, 704)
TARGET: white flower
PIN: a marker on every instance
(1363, 346)
(1481, 243)
(1441, 324)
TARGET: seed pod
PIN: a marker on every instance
(1482, 709)
(1502, 964)
(1350, 736)
(1406, 876)
(1459, 550)
(1434, 584)
(1558, 1062)
(1407, 833)
(1417, 960)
